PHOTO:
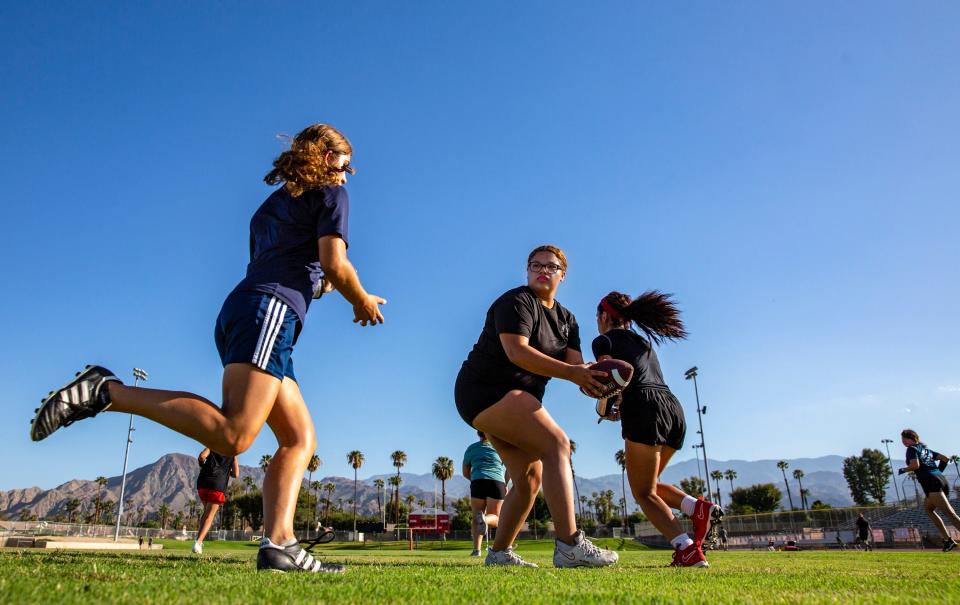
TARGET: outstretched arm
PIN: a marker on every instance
(339, 271)
(520, 353)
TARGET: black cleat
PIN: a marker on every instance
(949, 545)
(82, 397)
(293, 558)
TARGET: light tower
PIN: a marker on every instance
(692, 375)
(138, 375)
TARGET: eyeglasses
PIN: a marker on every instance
(549, 268)
(345, 168)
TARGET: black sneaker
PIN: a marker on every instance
(82, 397)
(949, 545)
(292, 558)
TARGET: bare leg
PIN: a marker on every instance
(643, 469)
(493, 512)
(291, 423)
(248, 396)
(476, 506)
(526, 472)
(209, 513)
(521, 421)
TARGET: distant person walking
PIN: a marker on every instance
(722, 534)
(298, 251)
(215, 473)
(863, 533)
(488, 487)
(928, 466)
(652, 421)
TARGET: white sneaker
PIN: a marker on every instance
(198, 548)
(506, 557)
(582, 554)
(475, 553)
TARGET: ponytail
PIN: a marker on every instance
(654, 313)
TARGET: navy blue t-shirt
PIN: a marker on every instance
(284, 256)
(927, 458)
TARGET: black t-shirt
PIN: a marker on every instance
(215, 472)
(863, 526)
(518, 311)
(636, 350)
(927, 457)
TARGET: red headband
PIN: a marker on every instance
(611, 311)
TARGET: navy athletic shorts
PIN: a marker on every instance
(488, 488)
(260, 329)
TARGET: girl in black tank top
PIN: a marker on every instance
(652, 421)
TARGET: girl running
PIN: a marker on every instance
(527, 338)
(215, 473)
(297, 233)
(488, 486)
(928, 466)
(653, 425)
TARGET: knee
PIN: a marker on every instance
(237, 441)
(530, 482)
(558, 449)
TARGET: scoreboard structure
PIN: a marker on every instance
(429, 521)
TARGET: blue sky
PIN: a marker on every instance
(788, 171)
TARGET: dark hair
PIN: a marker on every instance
(911, 434)
(481, 435)
(653, 312)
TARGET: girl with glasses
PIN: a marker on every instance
(527, 339)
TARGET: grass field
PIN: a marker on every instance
(226, 574)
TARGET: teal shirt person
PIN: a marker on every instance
(484, 462)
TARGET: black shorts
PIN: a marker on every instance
(488, 488)
(653, 416)
(473, 395)
(932, 483)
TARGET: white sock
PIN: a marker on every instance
(682, 541)
(687, 505)
(266, 543)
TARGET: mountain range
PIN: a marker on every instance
(171, 480)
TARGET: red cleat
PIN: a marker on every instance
(705, 514)
(690, 556)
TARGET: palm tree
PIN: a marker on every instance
(163, 513)
(315, 486)
(583, 501)
(409, 500)
(421, 502)
(378, 483)
(329, 488)
(395, 482)
(717, 476)
(249, 484)
(355, 458)
(576, 490)
(443, 470)
(783, 466)
(804, 497)
(399, 458)
(71, 506)
(798, 475)
(312, 467)
(101, 481)
(265, 462)
(621, 458)
(193, 511)
(730, 475)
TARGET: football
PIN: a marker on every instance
(618, 376)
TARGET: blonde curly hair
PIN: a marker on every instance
(302, 167)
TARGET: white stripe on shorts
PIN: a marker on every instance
(263, 331)
(279, 313)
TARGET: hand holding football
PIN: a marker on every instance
(618, 375)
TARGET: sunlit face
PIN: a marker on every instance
(340, 163)
(906, 441)
(544, 272)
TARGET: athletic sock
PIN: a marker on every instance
(687, 505)
(266, 543)
(682, 541)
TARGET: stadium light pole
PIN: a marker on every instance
(691, 374)
(887, 443)
(138, 375)
(696, 446)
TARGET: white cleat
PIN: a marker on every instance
(582, 553)
(198, 548)
(506, 557)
